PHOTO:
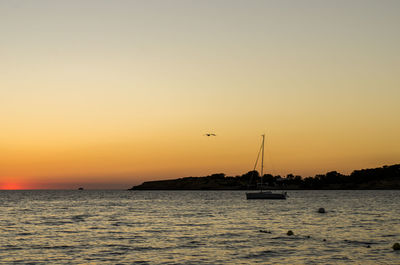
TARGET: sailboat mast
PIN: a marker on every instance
(262, 155)
(262, 160)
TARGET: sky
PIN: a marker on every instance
(108, 94)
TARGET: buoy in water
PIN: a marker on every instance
(396, 246)
(290, 233)
(321, 210)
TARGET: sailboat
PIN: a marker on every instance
(266, 195)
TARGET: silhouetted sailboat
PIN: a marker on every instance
(264, 194)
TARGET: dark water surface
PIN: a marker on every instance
(198, 227)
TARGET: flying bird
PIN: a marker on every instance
(210, 134)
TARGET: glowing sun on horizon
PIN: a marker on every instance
(10, 186)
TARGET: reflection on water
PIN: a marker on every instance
(198, 227)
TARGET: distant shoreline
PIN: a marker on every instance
(289, 189)
(382, 178)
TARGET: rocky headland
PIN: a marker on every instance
(386, 177)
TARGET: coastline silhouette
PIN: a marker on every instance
(386, 177)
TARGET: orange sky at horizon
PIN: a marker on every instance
(107, 94)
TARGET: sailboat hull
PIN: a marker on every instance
(265, 196)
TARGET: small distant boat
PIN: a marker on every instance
(266, 195)
(80, 188)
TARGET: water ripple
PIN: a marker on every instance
(197, 227)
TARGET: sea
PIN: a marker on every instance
(198, 227)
